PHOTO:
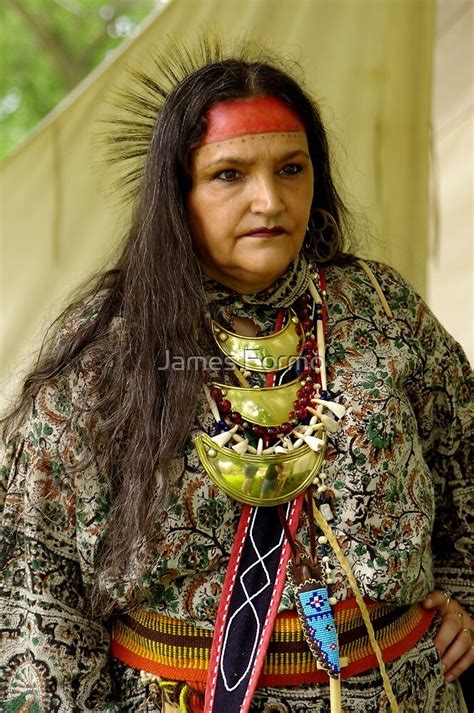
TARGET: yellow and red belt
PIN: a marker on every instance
(177, 650)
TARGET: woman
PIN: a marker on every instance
(190, 386)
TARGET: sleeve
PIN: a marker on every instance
(54, 498)
(444, 405)
(441, 396)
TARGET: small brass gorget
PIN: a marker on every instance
(263, 406)
(269, 353)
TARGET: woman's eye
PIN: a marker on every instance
(228, 175)
(291, 169)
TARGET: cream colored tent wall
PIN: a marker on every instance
(451, 259)
(367, 61)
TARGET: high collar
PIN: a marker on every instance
(282, 293)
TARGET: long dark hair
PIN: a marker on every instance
(156, 292)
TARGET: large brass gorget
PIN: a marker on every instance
(260, 479)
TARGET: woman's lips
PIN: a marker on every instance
(265, 232)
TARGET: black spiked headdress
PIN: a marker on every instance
(126, 132)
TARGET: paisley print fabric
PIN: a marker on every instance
(403, 513)
(282, 293)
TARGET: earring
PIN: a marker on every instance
(323, 237)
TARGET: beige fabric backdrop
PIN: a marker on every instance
(450, 289)
(367, 61)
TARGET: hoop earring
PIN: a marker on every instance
(323, 237)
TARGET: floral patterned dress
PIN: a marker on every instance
(403, 515)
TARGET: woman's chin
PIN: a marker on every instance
(267, 271)
(254, 273)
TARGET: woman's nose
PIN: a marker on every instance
(266, 196)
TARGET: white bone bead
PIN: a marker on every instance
(241, 447)
(330, 424)
(337, 409)
(212, 403)
(314, 443)
(222, 438)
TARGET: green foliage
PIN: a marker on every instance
(48, 47)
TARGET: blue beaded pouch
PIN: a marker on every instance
(315, 612)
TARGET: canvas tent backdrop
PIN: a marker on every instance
(367, 62)
(450, 289)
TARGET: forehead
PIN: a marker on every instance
(251, 148)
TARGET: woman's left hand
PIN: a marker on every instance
(453, 640)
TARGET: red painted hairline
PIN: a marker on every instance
(255, 115)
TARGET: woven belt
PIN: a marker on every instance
(177, 650)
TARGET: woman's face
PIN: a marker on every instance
(249, 206)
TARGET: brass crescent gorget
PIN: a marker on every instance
(259, 479)
(264, 406)
(269, 353)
